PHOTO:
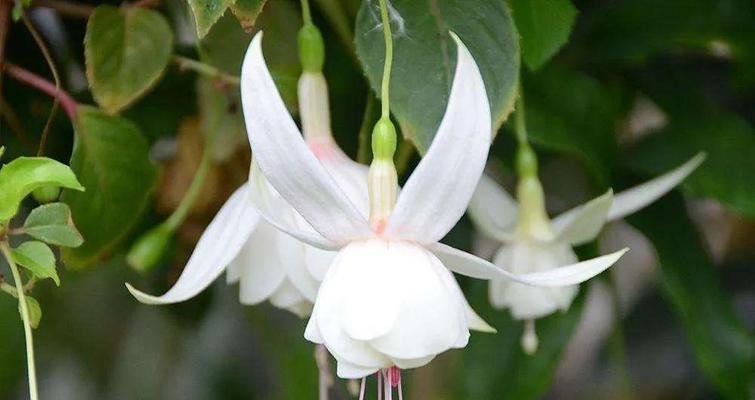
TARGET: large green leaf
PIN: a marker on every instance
(207, 13)
(726, 175)
(724, 349)
(127, 50)
(38, 259)
(52, 223)
(425, 57)
(23, 175)
(111, 157)
(544, 26)
(573, 113)
(495, 367)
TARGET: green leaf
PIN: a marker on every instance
(425, 58)
(52, 223)
(247, 11)
(726, 174)
(35, 311)
(207, 13)
(724, 349)
(23, 175)
(495, 363)
(572, 113)
(38, 259)
(126, 51)
(111, 157)
(544, 26)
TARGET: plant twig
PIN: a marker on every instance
(45, 86)
(205, 69)
(26, 320)
(50, 64)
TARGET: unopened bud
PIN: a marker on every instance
(46, 194)
(311, 48)
(384, 139)
(149, 248)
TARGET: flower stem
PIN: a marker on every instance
(180, 213)
(520, 125)
(26, 320)
(205, 69)
(363, 153)
(387, 66)
(305, 12)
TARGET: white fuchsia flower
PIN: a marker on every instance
(267, 263)
(534, 243)
(388, 299)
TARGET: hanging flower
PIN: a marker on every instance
(267, 263)
(388, 299)
(534, 243)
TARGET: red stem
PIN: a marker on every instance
(43, 85)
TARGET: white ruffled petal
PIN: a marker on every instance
(412, 363)
(438, 192)
(287, 162)
(528, 302)
(467, 264)
(493, 211)
(631, 200)
(219, 244)
(347, 370)
(431, 316)
(583, 224)
(292, 255)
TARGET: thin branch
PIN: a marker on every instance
(50, 64)
(185, 63)
(145, 3)
(45, 86)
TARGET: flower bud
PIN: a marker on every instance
(526, 161)
(46, 194)
(311, 48)
(384, 139)
(149, 248)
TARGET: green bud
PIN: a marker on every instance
(311, 48)
(46, 194)
(526, 161)
(149, 248)
(384, 139)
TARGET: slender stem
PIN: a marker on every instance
(180, 213)
(305, 12)
(368, 120)
(387, 66)
(205, 69)
(26, 320)
(50, 64)
(520, 125)
(45, 86)
(145, 3)
(321, 358)
(7, 288)
(5, 7)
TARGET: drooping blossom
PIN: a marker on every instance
(388, 299)
(532, 242)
